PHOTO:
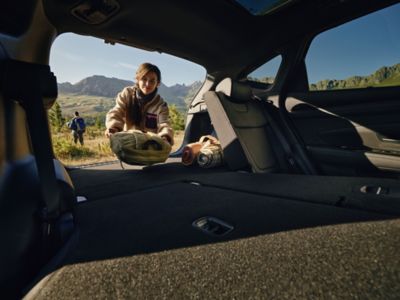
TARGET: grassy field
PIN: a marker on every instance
(96, 148)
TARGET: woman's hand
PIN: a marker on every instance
(109, 132)
(166, 138)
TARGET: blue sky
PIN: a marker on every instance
(74, 57)
(357, 48)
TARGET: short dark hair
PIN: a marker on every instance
(76, 113)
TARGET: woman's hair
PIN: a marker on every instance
(146, 68)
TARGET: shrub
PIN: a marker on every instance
(65, 149)
(177, 118)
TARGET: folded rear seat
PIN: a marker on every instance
(244, 130)
(241, 127)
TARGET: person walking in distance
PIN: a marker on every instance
(78, 127)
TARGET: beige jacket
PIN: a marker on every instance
(155, 115)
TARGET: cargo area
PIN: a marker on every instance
(138, 223)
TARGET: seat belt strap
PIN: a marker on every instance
(298, 161)
(38, 82)
(9, 121)
(289, 156)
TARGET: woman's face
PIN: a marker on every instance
(148, 83)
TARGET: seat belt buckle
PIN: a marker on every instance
(291, 161)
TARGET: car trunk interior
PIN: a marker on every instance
(139, 220)
(209, 224)
(172, 231)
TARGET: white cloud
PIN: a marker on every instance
(125, 65)
(67, 55)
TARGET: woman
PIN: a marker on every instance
(140, 107)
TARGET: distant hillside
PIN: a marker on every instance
(105, 87)
(385, 76)
(179, 94)
(85, 104)
(95, 86)
(266, 79)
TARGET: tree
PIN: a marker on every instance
(100, 121)
(177, 118)
(55, 117)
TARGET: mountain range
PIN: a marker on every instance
(106, 87)
(384, 76)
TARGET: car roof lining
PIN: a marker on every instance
(15, 21)
(215, 34)
(219, 35)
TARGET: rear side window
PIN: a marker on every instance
(267, 72)
(360, 54)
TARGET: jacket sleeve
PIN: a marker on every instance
(164, 125)
(115, 118)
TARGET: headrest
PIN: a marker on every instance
(238, 92)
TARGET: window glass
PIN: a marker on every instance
(267, 72)
(360, 54)
(262, 7)
(91, 73)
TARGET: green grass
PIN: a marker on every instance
(392, 81)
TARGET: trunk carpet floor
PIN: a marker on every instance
(348, 261)
(291, 238)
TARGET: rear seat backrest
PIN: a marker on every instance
(241, 125)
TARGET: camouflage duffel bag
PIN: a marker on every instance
(135, 147)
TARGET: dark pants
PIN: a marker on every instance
(78, 135)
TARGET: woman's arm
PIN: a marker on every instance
(115, 118)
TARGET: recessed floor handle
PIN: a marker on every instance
(213, 226)
(377, 190)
